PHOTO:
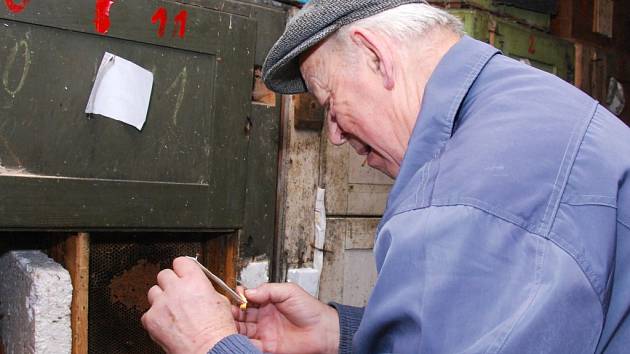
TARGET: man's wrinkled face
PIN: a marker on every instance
(358, 108)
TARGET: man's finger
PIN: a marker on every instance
(154, 293)
(143, 320)
(271, 293)
(241, 328)
(186, 267)
(247, 329)
(146, 322)
(166, 278)
(249, 315)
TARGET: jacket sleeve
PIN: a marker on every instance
(349, 320)
(234, 344)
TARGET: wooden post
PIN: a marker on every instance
(77, 261)
(579, 65)
(220, 257)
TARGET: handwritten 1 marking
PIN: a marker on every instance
(182, 79)
(101, 20)
(180, 20)
(160, 15)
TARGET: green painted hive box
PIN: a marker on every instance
(189, 166)
(541, 21)
(533, 47)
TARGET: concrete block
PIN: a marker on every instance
(307, 278)
(255, 274)
(35, 299)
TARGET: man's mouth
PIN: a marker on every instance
(364, 150)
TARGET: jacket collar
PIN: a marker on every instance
(443, 96)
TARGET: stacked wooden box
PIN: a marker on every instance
(601, 32)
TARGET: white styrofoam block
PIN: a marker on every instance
(307, 278)
(35, 298)
(255, 274)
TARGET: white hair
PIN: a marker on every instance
(406, 22)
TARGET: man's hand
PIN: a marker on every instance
(187, 316)
(288, 320)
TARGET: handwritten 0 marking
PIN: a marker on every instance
(160, 15)
(180, 20)
(16, 8)
(182, 79)
(9, 67)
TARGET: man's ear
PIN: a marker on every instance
(378, 52)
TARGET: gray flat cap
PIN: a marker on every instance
(316, 21)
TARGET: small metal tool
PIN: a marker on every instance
(240, 299)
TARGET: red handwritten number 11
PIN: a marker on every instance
(161, 16)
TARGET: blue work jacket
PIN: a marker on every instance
(507, 229)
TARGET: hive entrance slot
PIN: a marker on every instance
(111, 273)
(123, 267)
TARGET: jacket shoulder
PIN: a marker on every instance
(518, 132)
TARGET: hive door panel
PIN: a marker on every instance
(61, 168)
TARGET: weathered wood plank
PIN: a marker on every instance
(220, 256)
(279, 262)
(367, 199)
(260, 206)
(335, 165)
(259, 230)
(77, 261)
(352, 187)
(362, 233)
(331, 283)
(301, 182)
(233, 88)
(359, 276)
(57, 203)
(603, 17)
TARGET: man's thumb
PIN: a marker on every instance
(271, 293)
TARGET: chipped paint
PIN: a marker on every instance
(5, 171)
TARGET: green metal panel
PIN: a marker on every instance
(543, 51)
(541, 21)
(476, 23)
(525, 17)
(539, 49)
(187, 168)
(259, 228)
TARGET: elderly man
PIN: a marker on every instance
(508, 227)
